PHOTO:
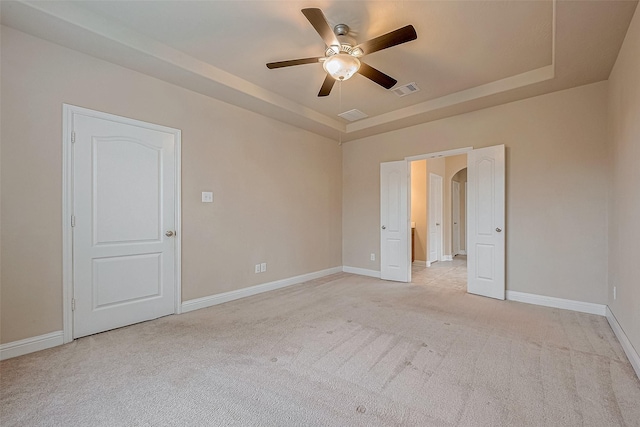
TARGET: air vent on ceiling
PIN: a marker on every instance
(406, 89)
(353, 115)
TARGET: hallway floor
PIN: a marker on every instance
(446, 274)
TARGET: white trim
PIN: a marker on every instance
(177, 269)
(631, 352)
(420, 263)
(30, 345)
(67, 235)
(198, 303)
(361, 271)
(447, 257)
(462, 252)
(446, 153)
(566, 304)
(68, 111)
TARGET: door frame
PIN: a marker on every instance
(68, 111)
(426, 156)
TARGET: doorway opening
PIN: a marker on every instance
(485, 201)
(438, 213)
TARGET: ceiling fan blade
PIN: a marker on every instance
(376, 76)
(280, 64)
(319, 22)
(327, 85)
(399, 36)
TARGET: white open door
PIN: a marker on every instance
(485, 222)
(125, 221)
(394, 222)
(455, 206)
(435, 218)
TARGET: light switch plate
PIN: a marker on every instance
(207, 197)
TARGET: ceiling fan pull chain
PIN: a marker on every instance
(339, 111)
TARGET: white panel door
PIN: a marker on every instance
(124, 187)
(435, 217)
(394, 218)
(455, 205)
(486, 221)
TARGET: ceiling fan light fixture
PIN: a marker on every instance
(357, 52)
(341, 66)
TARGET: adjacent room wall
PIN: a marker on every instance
(556, 187)
(419, 208)
(624, 200)
(277, 189)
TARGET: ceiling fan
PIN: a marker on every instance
(341, 59)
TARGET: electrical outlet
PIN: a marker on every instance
(614, 293)
(263, 267)
(373, 256)
(207, 197)
(257, 268)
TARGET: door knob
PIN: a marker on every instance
(169, 233)
(384, 227)
(498, 229)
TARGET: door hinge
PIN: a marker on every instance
(73, 304)
(73, 136)
(73, 220)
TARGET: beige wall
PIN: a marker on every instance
(419, 207)
(556, 187)
(277, 189)
(624, 201)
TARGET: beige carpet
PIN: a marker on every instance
(344, 350)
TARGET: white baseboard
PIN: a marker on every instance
(447, 257)
(631, 352)
(462, 252)
(361, 271)
(420, 263)
(198, 303)
(29, 345)
(567, 304)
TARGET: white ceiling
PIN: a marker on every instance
(468, 55)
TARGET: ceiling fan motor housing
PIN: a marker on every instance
(346, 43)
(341, 29)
